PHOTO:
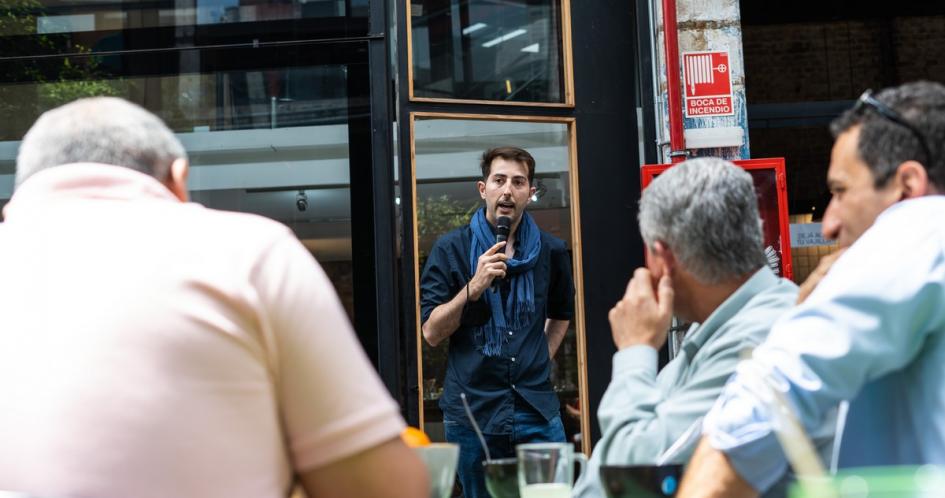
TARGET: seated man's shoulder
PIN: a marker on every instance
(770, 303)
(229, 227)
(754, 321)
(782, 294)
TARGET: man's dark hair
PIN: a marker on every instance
(885, 144)
(508, 153)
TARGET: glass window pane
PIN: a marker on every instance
(488, 50)
(272, 141)
(447, 169)
(31, 27)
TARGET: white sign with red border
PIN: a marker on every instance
(707, 77)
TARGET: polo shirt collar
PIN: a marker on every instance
(83, 181)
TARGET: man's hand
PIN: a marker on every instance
(445, 318)
(817, 275)
(491, 266)
(711, 475)
(643, 316)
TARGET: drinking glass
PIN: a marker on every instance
(501, 477)
(925, 481)
(546, 470)
(440, 460)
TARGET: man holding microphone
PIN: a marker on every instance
(505, 305)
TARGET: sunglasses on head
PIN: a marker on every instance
(867, 101)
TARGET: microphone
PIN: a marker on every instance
(503, 226)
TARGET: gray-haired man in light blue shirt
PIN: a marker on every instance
(706, 265)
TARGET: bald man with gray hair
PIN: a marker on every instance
(152, 347)
(705, 265)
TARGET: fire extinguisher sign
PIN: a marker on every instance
(707, 77)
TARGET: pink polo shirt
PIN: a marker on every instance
(152, 348)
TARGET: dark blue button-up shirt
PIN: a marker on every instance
(523, 368)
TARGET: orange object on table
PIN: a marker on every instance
(414, 437)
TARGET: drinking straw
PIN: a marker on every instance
(791, 435)
(472, 420)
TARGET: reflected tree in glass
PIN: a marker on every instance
(59, 81)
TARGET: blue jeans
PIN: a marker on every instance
(528, 426)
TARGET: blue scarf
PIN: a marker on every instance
(517, 311)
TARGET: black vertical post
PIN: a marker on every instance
(390, 352)
(645, 90)
(407, 271)
(363, 223)
(609, 174)
(372, 205)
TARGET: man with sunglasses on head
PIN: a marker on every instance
(873, 330)
(859, 190)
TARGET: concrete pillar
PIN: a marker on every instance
(705, 25)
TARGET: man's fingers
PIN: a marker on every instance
(497, 272)
(633, 283)
(491, 258)
(666, 295)
(492, 250)
(827, 261)
(612, 315)
(641, 284)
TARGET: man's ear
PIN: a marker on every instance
(176, 180)
(913, 179)
(667, 257)
(482, 188)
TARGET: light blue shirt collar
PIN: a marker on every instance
(698, 334)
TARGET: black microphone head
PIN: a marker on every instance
(503, 226)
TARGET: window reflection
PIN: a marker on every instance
(26, 17)
(447, 169)
(259, 141)
(488, 50)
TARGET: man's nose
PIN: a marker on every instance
(830, 225)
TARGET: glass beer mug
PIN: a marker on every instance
(546, 470)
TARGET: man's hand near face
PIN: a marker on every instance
(644, 314)
(445, 318)
(817, 275)
(491, 266)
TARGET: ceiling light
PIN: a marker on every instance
(505, 37)
(474, 28)
(533, 48)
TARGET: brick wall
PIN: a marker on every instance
(920, 50)
(838, 60)
(823, 61)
